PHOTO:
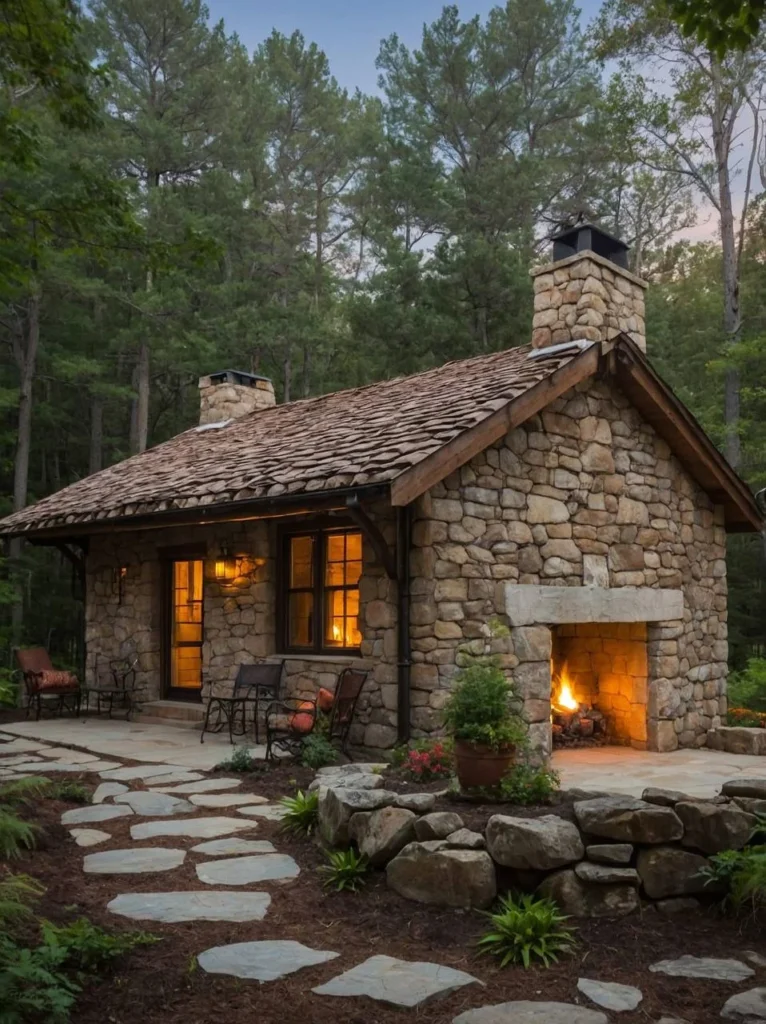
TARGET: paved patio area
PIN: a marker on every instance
(610, 769)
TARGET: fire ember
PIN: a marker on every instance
(573, 723)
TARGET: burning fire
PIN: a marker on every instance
(565, 698)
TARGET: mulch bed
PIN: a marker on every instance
(161, 984)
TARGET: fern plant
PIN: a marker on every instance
(25, 791)
(33, 984)
(742, 873)
(301, 812)
(88, 947)
(17, 894)
(528, 929)
(345, 870)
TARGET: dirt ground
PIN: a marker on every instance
(162, 984)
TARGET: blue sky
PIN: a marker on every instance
(348, 32)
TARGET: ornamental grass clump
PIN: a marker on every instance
(301, 812)
(526, 930)
(346, 870)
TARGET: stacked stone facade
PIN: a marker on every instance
(220, 402)
(585, 297)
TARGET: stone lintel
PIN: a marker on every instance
(528, 605)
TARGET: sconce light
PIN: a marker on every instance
(119, 576)
(226, 567)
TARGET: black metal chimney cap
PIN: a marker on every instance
(590, 236)
(247, 380)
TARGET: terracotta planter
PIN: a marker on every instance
(481, 766)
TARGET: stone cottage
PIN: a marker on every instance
(559, 487)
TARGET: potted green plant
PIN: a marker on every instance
(486, 730)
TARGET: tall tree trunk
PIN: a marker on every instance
(95, 459)
(142, 399)
(26, 359)
(287, 378)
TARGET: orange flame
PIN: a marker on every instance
(565, 698)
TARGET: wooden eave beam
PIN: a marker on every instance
(415, 481)
(689, 442)
(373, 534)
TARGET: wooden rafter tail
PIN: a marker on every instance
(416, 481)
(373, 534)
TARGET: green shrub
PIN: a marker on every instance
(523, 784)
(240, 761)
(17, 894)
(345, 870)
(742, 874)
(33, 986)
(479, 708)
(747, 689)
(301, 812)
(526, 930)
(25, 791)
(89, 948)
(71, 792)
(317, 752)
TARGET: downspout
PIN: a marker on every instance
(403, 544)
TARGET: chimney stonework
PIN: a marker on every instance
(231, 394)
(587, 297)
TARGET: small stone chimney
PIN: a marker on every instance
(587, 292)
(231, 394)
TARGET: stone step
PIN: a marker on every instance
(177, 723)
(183, 714)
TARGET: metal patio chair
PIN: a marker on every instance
(350, 684)
(254, 686)
(47, 688)
(288, 722)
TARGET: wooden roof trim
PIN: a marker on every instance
(689, 442)
(413, 482)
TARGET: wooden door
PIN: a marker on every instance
(185, 629)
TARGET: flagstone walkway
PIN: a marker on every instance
(234, 861)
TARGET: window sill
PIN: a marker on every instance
(327, 659)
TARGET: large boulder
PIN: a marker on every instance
(539, 844)
(738, 739)
(467, 839)
(610, 853)
(669, 871)
(628, 820)
(360, 780)
(714, 827)
(443, 877)
(754, 788)
(381, 834)
(663, 797)
(420, 803)
(336, 807)
(438, 825)
(587, 899)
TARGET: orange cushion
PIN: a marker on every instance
(302, 721)
(325, 699)
(55, 679)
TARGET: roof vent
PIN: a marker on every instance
(245, 380)
(582, 236)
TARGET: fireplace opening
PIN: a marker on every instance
(598, 684)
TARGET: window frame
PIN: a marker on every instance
(319, 531)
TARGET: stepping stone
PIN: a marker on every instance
(610, 994)
(747, 1007)
(106, 789)
(399, 982)
(226, 799)
(203, 786)
(176, 777)
(171, 907)
(11, 759)
(133, 861)
(197, 828)
(69, 756)
(19, 745)
(268, 867)
(229, 847)
(6, 773)
(703, 967)
(88, 836)
(262, 961)
(154, 805)
(97, 812)
(527, 1012)
(274, 812)
(754, 958)
(140, 771)
(59, 766)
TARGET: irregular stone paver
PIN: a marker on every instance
(754, 958)
(268, 867)
(6, 773)
(229, 847)
(60, 766)
(226, 799)
(703, 967)
(140, 771)
(9, 760)
(197, 828)
(20, 745)
(88, 836)
(610, 994)
(138, 860)
(262, 961)
(69, 756)
(97, 812)
(106, 789)
(202, 786)
(155, 805)
(171, 907)
(399, 982)
(179, 777)
(274, 812)
(747, 1007)
(525, 1012)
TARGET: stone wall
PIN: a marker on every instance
(239, 617)
(223, 401)
(584, 494)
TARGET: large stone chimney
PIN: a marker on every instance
(230, 394)
(587, 292)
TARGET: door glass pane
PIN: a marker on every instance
(186, 625)
(301, 562)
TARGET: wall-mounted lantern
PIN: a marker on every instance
(226, 566)
(119, 577)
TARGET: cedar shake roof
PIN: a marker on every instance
(405, 433)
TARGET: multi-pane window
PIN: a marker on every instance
(322, 590)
